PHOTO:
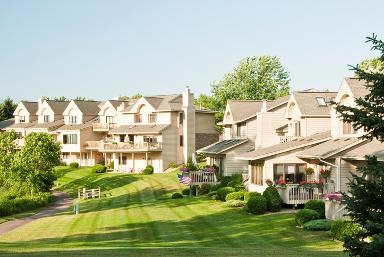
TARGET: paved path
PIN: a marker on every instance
(61, 202)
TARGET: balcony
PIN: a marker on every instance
(296, 194)
(103, 127)
(285, 139)
(122, 147)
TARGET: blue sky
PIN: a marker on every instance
(103, 49)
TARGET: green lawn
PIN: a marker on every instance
(140, 219)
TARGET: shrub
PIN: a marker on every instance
(111, 165)
(248, 195)
(215, 187)
(74, 165)
(172, 165)
(305, 215)
(194, 189)
(222, 192)
(177, 196)
(321, 224)
(257, 205)
(148, 170)
(224, 180)
(342, 228)
(235, 203)
(235, 196)
(185, 191)
(23, 203)
(204, 189)
(98, 168)
(273, 199)
(212, 193)
(316, 205)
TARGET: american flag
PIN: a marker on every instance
(184, 180)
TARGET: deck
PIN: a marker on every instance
(295, 194)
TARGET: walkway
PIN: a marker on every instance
(62, 201)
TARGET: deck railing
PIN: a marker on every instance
(284, 139)
(103, 126)
(84, 193)
(296, 194)
(145, 146)
(202, 177)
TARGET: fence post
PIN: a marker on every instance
(99, 192)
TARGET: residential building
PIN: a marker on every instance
(248, 125)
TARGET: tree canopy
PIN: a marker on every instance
(365, 197)
(373, 65)
(7, 107)
(255, 78)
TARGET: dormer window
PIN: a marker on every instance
(109, 119)
(152, 118)
(21, 119)
(321, 101)
(138, 118)
(72, 119)
(348, 129)
(46, 118)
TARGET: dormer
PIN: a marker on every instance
(50, 111)
(349, 91)
(78, 112)
(25, 112)
(110, 109)
(144, 110)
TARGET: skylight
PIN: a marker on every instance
(321, 101)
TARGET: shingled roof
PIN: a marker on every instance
(31, 107)
(285, 147)
(139, 129)
(57, 107)
(222, 146)
(88, 107)
(357, 87)
(6, 123)
(308, 104)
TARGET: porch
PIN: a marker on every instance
(123, 146)
(294, 194)
(201, 177)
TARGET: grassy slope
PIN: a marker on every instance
(140, 219)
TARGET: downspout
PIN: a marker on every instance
(338, 161)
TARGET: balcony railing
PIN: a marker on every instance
(284, 139)
(297, 194)
(103, 126)
(120, 146)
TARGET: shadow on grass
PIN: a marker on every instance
(230, 232)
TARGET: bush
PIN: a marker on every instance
(316, 205)
(322, 224)
(148, 170)
(257, 205)
(212, 193)
(98, 168)
(215, 187)
(177, 196)
(248, 195)
(74, 165)
(342, 228)
(305, 215)
(23, 203)
(204, 189)
(111, 165)
(235, 203)
(222, 192)
(224, 180)
(185, 191)
(273, 199)
(235, 196)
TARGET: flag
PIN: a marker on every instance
(184, 180)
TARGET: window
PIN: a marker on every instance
(46, 118)
(70, 139)
(65, 155)
(109, 119)
(138, 118)
(293, 172)
(297, 129)
(72, 119)
(121, 138)
(150, 139)
(241, 130)
(21, 119)
(321, 101)
(152, 118)
(131, 138)
(257, 174)
(181, 140)
(19, 135)
(348, 129)
(181, 118)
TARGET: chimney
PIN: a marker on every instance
(40, 101)
(188, 98)
(264, 107)
(188, 124)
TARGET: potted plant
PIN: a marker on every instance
(325, 174)
(269, 182)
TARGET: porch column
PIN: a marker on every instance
(92, 162)
(121, 159)
(133, 162)
(80, 160)
(146, 158)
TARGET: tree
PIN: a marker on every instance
(61, 99)
(136, 96)
(7, 154)
(36, 161)
(7, 107)
(374, 65)
(365, 198)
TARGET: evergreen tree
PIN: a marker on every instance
(6, 109)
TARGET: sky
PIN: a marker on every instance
(104, 49)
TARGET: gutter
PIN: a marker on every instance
(338, 160)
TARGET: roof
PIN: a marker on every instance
(243, 109)
(6, 123)
(373, 147)
(57, 107)
(308, 105)
(330, 148)
(222, 146)
(139, 129)
(49, 125)
(22, 125)
(116, 103)
(31, 107)
(285, 147)
(88, 107)
(357, 87)
(277, 102)
(78, 126)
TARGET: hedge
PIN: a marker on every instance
(74, 165)
(222, 192)
(273, 199)
(257, 205)
(177, 196)
(305, 215)
(248, 195)
(321, 224)
(316, 205)
(99, 168)
(148, 170)
(342, 228)
(22, 204)
(235, 196)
